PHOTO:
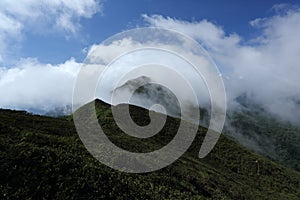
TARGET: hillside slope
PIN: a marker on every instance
(42, 157)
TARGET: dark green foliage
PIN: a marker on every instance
(279, 140)
(43, 158)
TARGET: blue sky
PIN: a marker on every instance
(234, 16)
(254, 43)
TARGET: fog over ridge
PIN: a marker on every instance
(265, 68)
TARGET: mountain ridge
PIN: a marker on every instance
(43, 157)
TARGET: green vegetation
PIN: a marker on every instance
(43, 158)
(278, 140)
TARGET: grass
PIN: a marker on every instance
(43, 158)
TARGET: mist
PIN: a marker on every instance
(264, 68)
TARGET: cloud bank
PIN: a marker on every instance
(265, 68)
(37, 87)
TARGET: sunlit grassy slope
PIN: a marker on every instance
(42, 157)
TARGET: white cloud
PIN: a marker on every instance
(41, 16)
(267, 70)
(270, 68)
(35, 86)
(203, 31)
(29, 84)
(104, 54)
(50, 12)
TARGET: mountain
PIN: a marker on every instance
(247, 122)
(59, 111)
(147, 93)
(257, 129)
(43, 158)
